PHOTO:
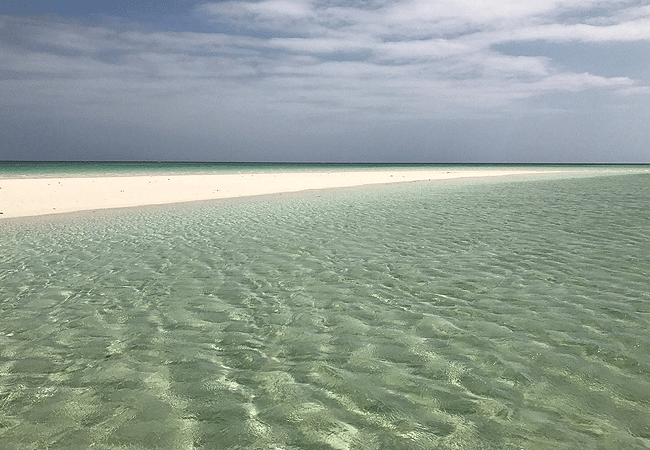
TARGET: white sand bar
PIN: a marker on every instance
(23, 197)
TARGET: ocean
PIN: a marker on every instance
(505, 313)
(27, 169)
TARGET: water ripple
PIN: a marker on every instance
(483, 314)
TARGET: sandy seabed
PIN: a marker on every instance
(25, 197)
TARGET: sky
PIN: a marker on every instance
(412, 81)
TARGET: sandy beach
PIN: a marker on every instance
(25, 197)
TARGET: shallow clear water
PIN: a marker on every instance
(479, 314)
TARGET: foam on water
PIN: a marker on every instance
(462, 315)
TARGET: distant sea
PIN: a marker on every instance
(27, 169)
(134, 168)
(509, 313)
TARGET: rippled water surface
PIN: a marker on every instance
(494, 314)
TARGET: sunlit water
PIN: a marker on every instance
(485, 314)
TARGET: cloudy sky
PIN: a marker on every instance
(326, 80)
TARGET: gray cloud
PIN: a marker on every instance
(316, 80)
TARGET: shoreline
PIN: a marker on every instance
(32, 197)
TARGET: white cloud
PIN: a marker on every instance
(325, 45)
(423, 49)
(573, 82)
(274, 14)
(406, 59)
(637, 30)
(263, 9)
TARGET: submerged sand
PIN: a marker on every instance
(24, 197)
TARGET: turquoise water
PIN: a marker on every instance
(26, 169)
(22, 169)
(484, 314)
